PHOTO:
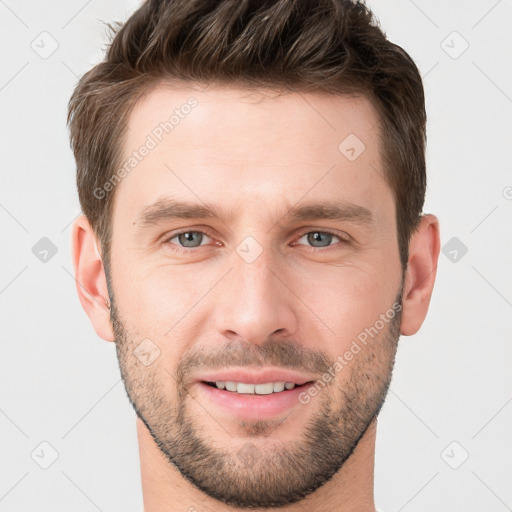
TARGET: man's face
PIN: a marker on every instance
(257, 296)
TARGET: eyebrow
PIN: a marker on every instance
(169, 209)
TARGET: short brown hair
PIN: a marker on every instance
(325, 46)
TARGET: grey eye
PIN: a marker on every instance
(319, 238)
(190, 238)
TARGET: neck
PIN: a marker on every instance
(164, 488)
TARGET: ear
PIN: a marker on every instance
(91, 283)
(420, 275)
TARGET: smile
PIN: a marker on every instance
(250, 389)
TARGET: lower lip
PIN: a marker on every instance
(253, 407)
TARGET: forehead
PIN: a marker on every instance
(216, 114)
(250, 145)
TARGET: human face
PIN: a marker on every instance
(256, 294)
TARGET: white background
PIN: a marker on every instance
(60, 383)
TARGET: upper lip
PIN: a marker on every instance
(260, 376)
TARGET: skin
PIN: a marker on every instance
(255, 155)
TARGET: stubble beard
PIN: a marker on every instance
(261, 472)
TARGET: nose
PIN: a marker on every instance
(254, 301)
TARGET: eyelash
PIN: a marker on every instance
(344, 239)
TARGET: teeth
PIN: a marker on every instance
(245, 388)
(263, 389)
(278, 386)
(231, 386)
(251, 389)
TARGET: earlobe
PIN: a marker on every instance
(91, 283)
(420, 275)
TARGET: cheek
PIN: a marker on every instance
(348, 299)
(158, 302)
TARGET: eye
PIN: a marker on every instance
(193, 239)
(321, 239)
(187, 239)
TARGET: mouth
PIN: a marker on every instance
(246, 388)
(253, 395)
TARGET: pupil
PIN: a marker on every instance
(187, 239)
(316, 236)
